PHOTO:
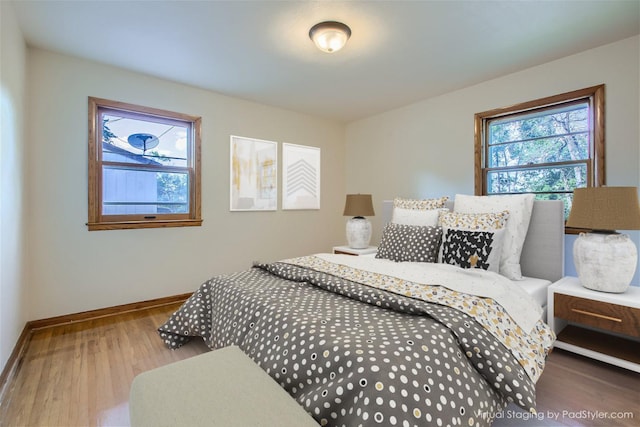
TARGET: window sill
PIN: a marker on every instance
(128, 225)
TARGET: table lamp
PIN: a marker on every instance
(604, 259)
(358, 228)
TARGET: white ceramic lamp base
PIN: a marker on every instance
(358, 232)
(605, 262)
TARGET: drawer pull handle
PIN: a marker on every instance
(601, 316)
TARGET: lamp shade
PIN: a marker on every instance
(605, 208)
(358, 205)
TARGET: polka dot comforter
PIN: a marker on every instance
(355, 355)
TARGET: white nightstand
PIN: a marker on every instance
(600, 325)
(346, 250)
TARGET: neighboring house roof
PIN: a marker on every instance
(128, 154)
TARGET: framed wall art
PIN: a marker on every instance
(300, 177)
(254, 174)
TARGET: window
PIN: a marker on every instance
(547, 147)
(144, 167)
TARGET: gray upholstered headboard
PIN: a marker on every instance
(543, 251)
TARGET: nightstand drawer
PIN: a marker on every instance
(599, 314)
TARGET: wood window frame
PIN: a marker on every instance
(597, 164)
(596, 161)
(99, 221)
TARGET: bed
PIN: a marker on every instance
(376, 341)
(542, 258)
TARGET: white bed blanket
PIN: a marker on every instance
(514, 299)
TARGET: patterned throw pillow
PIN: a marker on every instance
(425, 204)
(520, 207)
(473, 240)
(472, 249)
(472, 221)
(418, 212)
(409, 243)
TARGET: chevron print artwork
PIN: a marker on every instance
(300, 177)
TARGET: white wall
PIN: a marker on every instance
(13, 313)
(426, 149)
(72, 269)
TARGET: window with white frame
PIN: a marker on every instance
(547, 147)
(144, 167)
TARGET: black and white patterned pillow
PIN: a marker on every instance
(472, 249)
(410, 243)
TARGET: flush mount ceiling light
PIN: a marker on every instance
(330, 36)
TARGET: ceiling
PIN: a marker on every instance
(400, 52)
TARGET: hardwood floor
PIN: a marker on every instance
(79, 375)
(577, 391)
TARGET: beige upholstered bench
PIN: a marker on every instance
(220, 388)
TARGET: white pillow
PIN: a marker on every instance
(519, 207)
(424, 212)
(424, 218)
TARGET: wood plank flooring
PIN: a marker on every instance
(80, 374)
